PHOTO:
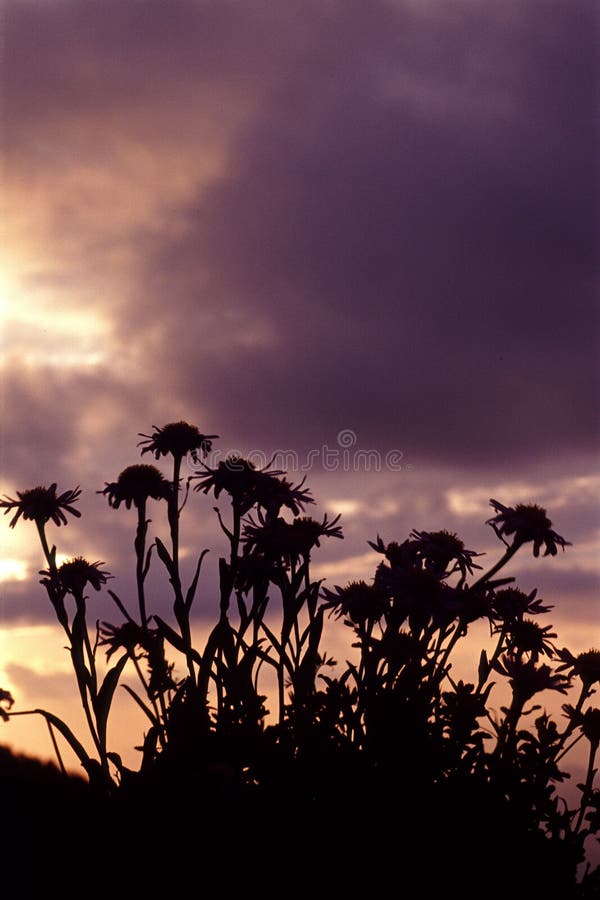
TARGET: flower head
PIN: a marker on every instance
(586, 665)
(526, 636)
(40, 504)
(527, 522)
(404, 556)
(588, 721)
(178, 439)
(527, 679)
(6, 698)
(74, 574)
(290, 540)
(127, 636)
(360, 601)
(439, 548)
(512, 603)
(248, 486)
(135, 485)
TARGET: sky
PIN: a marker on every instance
(362, 235)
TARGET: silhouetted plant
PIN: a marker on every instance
(392, 723)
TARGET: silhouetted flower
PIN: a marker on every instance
(127, 636)
(416, 594)
(6, 700)
(404, 556)
(74, 574)
(528, 522)
(588, 721)
(248, 486)
(135, 485)
(527, 679)
(462, 707)
(439, 548)
(274, 493)
(178, 439)
(40, 504)
(512, 603)
(360, 601)
(586, 665)
(526, 636)
(290, 540)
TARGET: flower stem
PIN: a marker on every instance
(510, 552)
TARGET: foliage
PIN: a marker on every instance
(390, 733)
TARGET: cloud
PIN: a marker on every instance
(281, 221)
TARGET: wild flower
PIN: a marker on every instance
(136, 484)
(527, 522)
(248, 486)
(527, 678)
(126, 636)
(359, 601)
(6, 703)
(588, 721)
(289, 540)
(177, 439)
(586, 665)
(526, 636)
(75, 574)
(438, 549)
(41, 504)
(512, 603)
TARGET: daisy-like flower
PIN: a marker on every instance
(527, 679)
(527, 522)
(439, 548)
(586, 665)
(588, 721)
(290, 540)
(127, 636)
(512, 603)
(526, 636)
(178, 439)
(41, 504)
(359, 601)
(415, 594)
(136, 484)
(404, 556)
(248, 486)
(75, 574)
(7, 699)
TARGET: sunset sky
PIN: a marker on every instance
(311, 226)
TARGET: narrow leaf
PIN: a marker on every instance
(189, 599)
(141, 704)
(165, 557)
(103, 701)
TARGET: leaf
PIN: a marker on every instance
(165, 557)
(243, 611)
(78, 634)
(103, 701)
(484, 667)
(147, 562)
(272, 638)
(86, 761)
(176, 640)
(141, 704)
(189, 599)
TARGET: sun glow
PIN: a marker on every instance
(12, 570)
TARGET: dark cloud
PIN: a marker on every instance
(405, 242)
(395, 235)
